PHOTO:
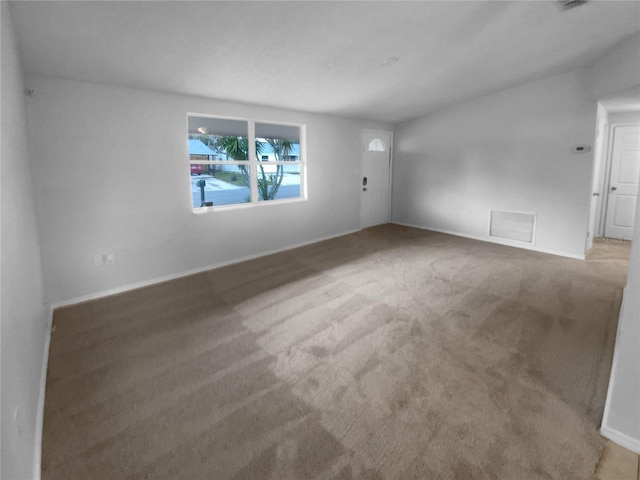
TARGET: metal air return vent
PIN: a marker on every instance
(517, 226)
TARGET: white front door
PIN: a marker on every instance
(375, 179)
(623, 183)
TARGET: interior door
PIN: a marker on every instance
(623, 183)
(375, 178)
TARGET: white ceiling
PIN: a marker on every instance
(385, 61)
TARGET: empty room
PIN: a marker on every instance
(320, 240)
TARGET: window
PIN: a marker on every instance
(376, 145)
(244, 162)
(279, 175)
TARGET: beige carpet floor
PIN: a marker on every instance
(392, 353)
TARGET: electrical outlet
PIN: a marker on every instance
(333, 217)
(463, 215)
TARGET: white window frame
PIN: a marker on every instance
(252, 162)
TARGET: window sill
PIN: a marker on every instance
(239, 206)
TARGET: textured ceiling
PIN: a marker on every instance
(386, 61)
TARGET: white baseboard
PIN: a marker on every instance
(495, 240)
(621, 439)
(166, 278)
(37, 457)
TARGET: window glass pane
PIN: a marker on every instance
(219, 184)
(218, 139)
(276, 182)
(376, 145)
(217, 126)
(277, 142)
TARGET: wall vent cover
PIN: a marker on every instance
(569, 4)
(513, 225)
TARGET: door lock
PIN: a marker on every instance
(613, 189)
(364, 181)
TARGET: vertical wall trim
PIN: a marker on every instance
(37, 457)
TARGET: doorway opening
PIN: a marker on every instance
(616, 171)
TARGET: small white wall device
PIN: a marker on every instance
(581, 149)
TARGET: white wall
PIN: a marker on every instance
(511, 151)
(112, 176)
(623, 118)
(598, 179)
(621, 421)
(23, 320)
(617, 72)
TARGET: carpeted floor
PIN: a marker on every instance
(392, 353)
